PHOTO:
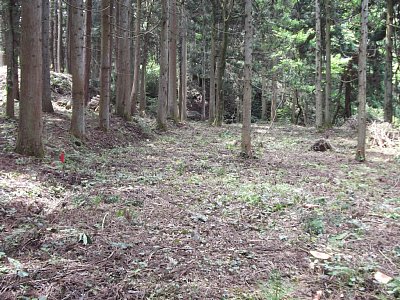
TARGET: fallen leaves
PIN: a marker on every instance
(317, 295)
(320, 255)
(382, 278)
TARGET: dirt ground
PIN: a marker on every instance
(139, 214)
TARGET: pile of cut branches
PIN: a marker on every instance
(383, 135)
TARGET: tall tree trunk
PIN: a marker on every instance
(123, 61)
(55, 38)
(328, 86)
(183, 68)
(264, 98)
(136, 63)
(163, 81)
(388, 106)
(211, 104)
(88, 49)
(295, 103)
(12, 23)
(347, 92)
(203, 98)
(104, 111)
(77, 63)
(60, 59)
(172, 86)
(51, 41)
(142, 85)
(226, 10)
(274, 92)
(68, 60)
(318, 66)
(29, 141)
(142, 92)
(362, 83)
(47, 106)
(247, 93)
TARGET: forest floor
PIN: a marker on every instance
(138, 214)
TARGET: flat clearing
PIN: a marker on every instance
(137, 214)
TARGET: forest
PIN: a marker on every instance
(200, 149)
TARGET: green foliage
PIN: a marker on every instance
(276, 288)
(152, 74)
(314, 225)
(394, 288)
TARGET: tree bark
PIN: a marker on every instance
(347, 91)
(183, 68)
(203, 98)
(12, 17)
(51, 40)
(77, 68)
(55, 37)
(328, 86)
(295, 103)
(123, 61)
(226, 10)
(136, 63)
(172, 80)
(362, 83)
(47, 106)
(88, 49)
(163, 81)
(69, 25)
(60, 59)
(318, 66)
(264, 98)
(104, 110)
(142, 85)
(29, 140)
(274, 92)
(388, 103)
(247, 93)
(211, 104)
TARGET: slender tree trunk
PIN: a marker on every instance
(172, 86)
(123, 61)
(362, 83)
(264, 98)
(142, 90)
(318, 63)
(203, 98)
(77, 63)
(328, 87)
(347, 95)
(295, 104)
(104, 111)
(211, 104)
(247, 93)
(88, 49)
(226, 10)
(145, 51)
(29, 140)
(55, 39)
(136, 63)
(274, 91)
(47, 106)
(305, 111)
(163, 81)
(60, 59)
(388, 106)
(183, 67)
(51, 41)
(68, 47)
(12, 24)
